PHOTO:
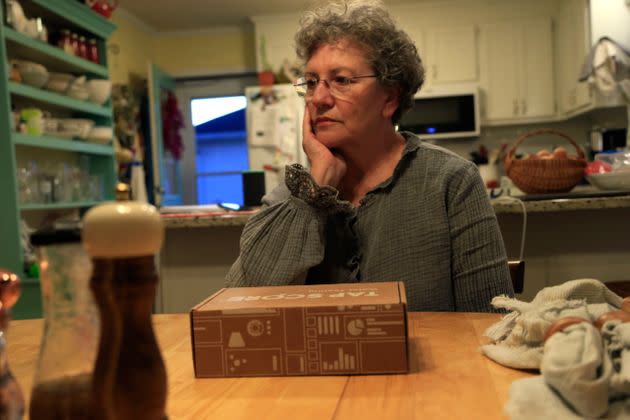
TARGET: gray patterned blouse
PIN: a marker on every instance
(429, 225)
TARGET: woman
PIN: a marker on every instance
(377, 205)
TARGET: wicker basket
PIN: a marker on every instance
(536, 176)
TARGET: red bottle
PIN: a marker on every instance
(83, 48)
(93, 51)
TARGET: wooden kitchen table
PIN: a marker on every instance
(449, 378)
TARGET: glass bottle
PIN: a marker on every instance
(65, 41)
(62, 383)
(129, 379)
(83, 48)
(93, 51)
(11, 398)
(75, 44)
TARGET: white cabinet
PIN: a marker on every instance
(516, 66)
(572, 47)
(451, 55)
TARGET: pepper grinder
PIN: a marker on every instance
(11, 398)
(129, 380)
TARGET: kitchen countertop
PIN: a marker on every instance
(565, 202)
(501, 205)
(448, 378)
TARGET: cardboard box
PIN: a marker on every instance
(328, 329)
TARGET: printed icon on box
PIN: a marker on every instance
(355, 327)
(255, 328)
(236, 340)
(235, 363)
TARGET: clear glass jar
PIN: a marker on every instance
(62, 386)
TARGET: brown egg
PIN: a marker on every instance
(560, 153)
(561, 324)
(542, 153)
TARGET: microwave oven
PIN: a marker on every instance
(443, 114)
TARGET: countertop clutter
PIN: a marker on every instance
(581, 199)
(449, 377)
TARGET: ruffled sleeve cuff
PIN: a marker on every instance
(324, 198)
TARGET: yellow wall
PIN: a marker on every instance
(194, 53)
(212, 51)
(129, 49)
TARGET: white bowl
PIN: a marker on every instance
(59, 82)
(99, 90)
(101, 135)
(33, 74)
(619, 180)
(75, 127)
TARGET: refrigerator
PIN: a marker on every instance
(274, 130)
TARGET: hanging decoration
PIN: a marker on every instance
(172, 123)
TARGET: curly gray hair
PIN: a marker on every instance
(389, 50)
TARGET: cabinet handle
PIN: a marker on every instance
(515, 109)
(435, 72)
(524, 107)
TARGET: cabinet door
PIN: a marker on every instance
(537, 97)
(573, 45)
(499, 71)
(581, 39)
(165, 179)
(452, 55)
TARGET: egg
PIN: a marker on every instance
(543, 152)
(560, 153)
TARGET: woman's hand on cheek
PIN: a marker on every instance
(327, 167)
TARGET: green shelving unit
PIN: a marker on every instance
(48, 142)
(20, 45)
(57, 100)
(57, 206)
(56, 14)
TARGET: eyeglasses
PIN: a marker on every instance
(305, 86)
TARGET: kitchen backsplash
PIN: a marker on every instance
(577, 128)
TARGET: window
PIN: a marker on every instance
(221, 143)
(214, 158)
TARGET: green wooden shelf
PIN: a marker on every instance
(78, 14)
(30, 280)
(58, 100)
(43, 53)
(55, 206)
(48, 142)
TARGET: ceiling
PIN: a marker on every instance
(182, 15)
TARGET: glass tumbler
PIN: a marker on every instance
(62, 384)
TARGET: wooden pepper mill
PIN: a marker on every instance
(11, 398)
(129, 379)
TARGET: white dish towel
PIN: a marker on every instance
(585, 372)
(517, 340)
